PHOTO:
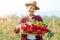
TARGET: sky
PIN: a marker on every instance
(47, 7)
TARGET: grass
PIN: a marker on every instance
(7, 33)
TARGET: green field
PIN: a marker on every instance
(7, 33)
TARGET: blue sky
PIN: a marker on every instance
(47, 7)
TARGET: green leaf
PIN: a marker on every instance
(37, 22)
(50, 34)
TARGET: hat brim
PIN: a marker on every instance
(36, 7)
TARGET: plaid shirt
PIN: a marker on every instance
(25, 19)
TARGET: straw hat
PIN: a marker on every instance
(33, 3)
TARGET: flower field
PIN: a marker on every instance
(7, 33)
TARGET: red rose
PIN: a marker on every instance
(45, 29)
(39, 27)
(27, 26)
(39, 32)
(23, 28)
(33, 26)
(31, 30)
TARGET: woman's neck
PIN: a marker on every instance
(30, 14)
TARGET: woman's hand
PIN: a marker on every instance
(17, 28)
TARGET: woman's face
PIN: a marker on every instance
(31, 9)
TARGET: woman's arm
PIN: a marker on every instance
(17, 28)
(19, 24)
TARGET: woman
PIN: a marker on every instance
(31, 8)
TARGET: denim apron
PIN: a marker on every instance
(31, 37)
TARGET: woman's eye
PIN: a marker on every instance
(30, 7)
